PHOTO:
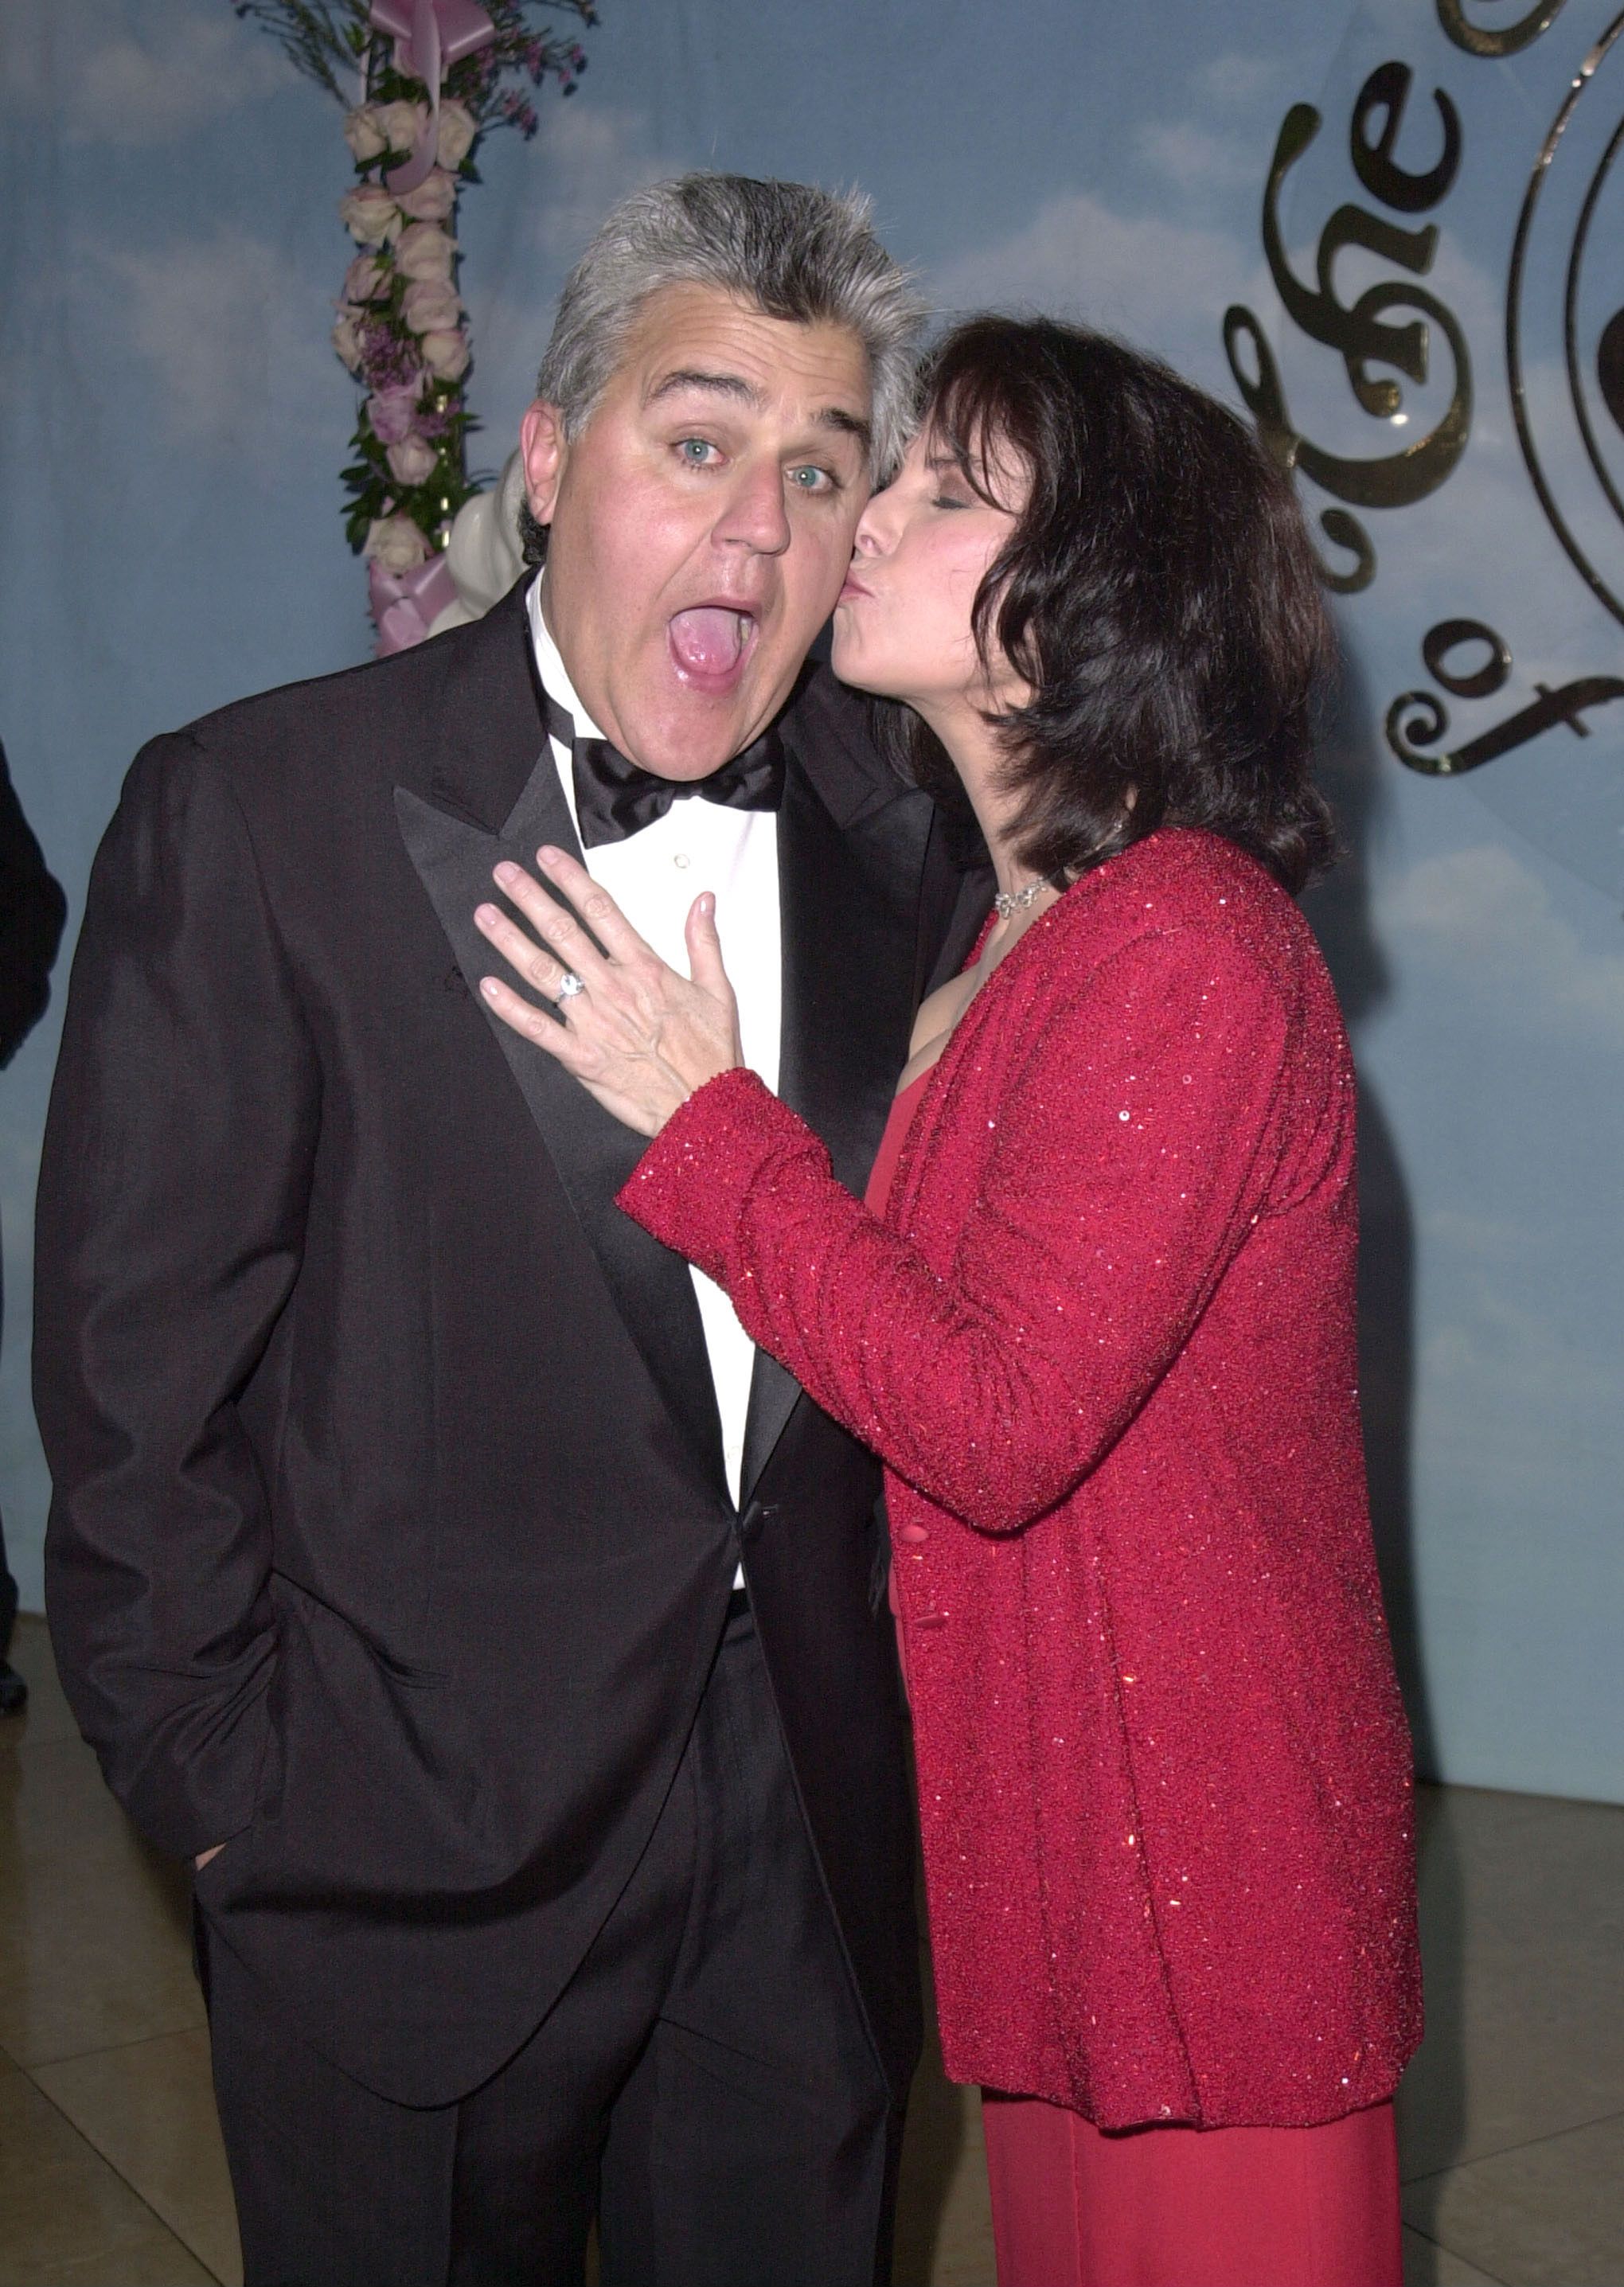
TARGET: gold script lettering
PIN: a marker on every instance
(1416, 721)
(1383, 97)
(1523, 33)
(1359, 332)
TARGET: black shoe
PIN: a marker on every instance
(14, 1691)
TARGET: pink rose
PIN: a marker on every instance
(346, 338)
(392, 412)
(369, 215)
(431, 306)
(364, 279)
(424, 250)
(446, 355)
(457, 130)
(411, 461)
(363, 134)
(433, 198)
(395, 544)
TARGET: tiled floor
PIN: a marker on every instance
(111, 2172)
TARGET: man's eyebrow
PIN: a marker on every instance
(835, 416)
(717, 384)
(686, 378)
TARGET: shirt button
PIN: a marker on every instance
(914, 1533)
(681, 860)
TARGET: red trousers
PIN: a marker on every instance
(1186, 2207)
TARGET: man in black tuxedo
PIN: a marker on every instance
(426, 1559)
(32, 912)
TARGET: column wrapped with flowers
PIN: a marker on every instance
(421, 82)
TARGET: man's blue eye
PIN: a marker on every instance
(695, 449)
(812, 480)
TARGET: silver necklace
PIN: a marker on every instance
(1008, 903)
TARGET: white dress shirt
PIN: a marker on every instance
(654, 876)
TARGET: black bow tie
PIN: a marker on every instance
(615, 798)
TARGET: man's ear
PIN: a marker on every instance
(542, 442)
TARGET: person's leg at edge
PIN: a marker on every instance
(14, 1691)
(1182, 2207)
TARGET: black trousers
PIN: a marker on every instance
(705, 2083)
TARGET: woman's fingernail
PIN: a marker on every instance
(548, 856)
(487, 985)
(507, 873)
(485, 915)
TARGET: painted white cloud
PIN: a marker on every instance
(1499, 1388)
(1478, 1237)
(1245, 82)
(584, 159)
(1485, 918)
(168, 66)
(1162, 283)
(1196, 159)
(236, 335)
(1518, 1357)
(586, 156)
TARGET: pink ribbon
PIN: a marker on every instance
(404, 604)
(429, 36)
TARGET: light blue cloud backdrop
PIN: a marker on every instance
(172, 421)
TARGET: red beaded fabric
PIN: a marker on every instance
(1105, 1342)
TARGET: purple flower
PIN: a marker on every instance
(386, 360)
(394, 411)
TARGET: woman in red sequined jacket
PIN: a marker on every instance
(1098, 1318)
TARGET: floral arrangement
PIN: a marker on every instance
(421, 82)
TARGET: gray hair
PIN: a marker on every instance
(790, 249)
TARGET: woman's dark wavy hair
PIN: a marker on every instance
(1158, 594)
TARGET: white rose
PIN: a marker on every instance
(395, 544)
(363, 134)
(424, 250)
(369, 215)
(364, 279)
(457, 130)
(411, 461)
(346, 338)
(433, 198)
(400, 123)
(446, 355)
(431, 306)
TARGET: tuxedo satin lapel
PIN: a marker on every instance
(970, 897)
(592, 1153)
(849, 903)
(480, 747)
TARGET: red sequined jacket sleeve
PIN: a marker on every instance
(1133, 1145)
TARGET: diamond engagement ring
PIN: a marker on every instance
(569, 984)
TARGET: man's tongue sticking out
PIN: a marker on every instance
(708, 642)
